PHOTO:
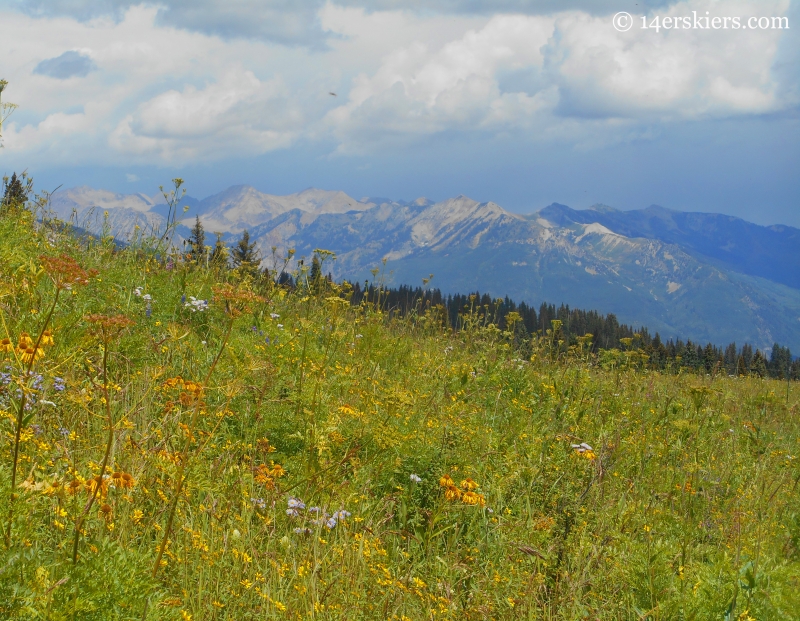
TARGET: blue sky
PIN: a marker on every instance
(520, 102)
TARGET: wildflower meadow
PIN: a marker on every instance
(182, 440)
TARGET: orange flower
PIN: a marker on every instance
(65, 271)
(263, 475)
(6, 346)
(108, 327)
(446, 481)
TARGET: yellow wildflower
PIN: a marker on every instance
(471, 498)
(47, 337)
(452, 493)
(469, 485)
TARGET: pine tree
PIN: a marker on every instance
(245, 255)
(741, 369)
(758, 366)
(747, 354)
(197, 240)
(14, 192)
(316, 274)
(219, 255)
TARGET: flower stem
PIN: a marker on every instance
(109, 443)
(20, 418)
(185, 458)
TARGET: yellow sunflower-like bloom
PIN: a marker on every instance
(451, 492)
(30, 354)
(471, 498)
(446, 481)
(106, 512)
(94, 482)
(469, 485)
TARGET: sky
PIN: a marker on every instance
(520, 102)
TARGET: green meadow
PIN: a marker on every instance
(181, 440)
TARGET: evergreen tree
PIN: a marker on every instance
(759, 365)
(731, 359)
(741, 368)
(780, 361)
(14, 192)
(197, 240)
(747, 354)
(709, 357)
(245, 255)
(315, 274)
(219, 255)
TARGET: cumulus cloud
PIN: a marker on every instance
(291, 22)
(527, 7)
(562, 74)
(69, 65)
(239, 115)
(419, 91)
(667, 75)
(160, 93)
(296, 22)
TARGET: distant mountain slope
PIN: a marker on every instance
(682, 275)
(644, 281)
(241, 207)
(771, 252)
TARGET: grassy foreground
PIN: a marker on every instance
(279, 454)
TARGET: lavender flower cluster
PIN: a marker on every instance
(323, 518)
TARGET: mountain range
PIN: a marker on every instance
(707, 277)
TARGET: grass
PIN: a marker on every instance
(168, 469)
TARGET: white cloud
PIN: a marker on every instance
(674, 74)
(582, 69)
(162, 94)
(239, 115)
(419, 90)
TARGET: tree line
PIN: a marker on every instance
(574, 324)
(607, 333)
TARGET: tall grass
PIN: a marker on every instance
(280, 454)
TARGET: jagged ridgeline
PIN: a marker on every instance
(184, 435)
(709, 278)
